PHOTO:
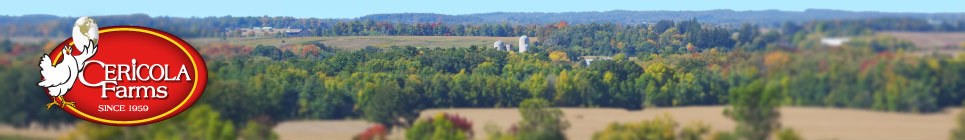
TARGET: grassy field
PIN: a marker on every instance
(812, 123)
(19, 137)
(358, 42)
(34, 132)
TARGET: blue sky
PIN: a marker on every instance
(356, 8)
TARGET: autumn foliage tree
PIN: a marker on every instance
(375, 132)
(441, 126)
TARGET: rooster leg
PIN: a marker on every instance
(65, 102)
(52, 103)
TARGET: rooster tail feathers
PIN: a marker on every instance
(51, 73)
(45, 62)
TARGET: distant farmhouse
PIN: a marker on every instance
(590, 59)
(834, 41)
(297, 33)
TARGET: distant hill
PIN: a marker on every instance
(44, 25)
(766, 18)
(423, 18)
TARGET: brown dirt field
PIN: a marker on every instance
(930, 39)
(931, 43)
(812, 123)
(324, 129)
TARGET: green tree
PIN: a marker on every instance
(21, 96)
(958, 133)
(257, 131)
(754, 107)
(788, 134)
(568, 92)
(657, 83)
(619, 57)
(200, 122)
(662, 127)
(385, 103)
(538, 86)
(747, 33)
(486, 68)
(540, 122)
(696, 130)
(723, 136)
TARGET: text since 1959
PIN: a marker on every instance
(122, 108)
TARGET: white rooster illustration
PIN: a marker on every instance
(58, 79)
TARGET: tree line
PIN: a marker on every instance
(431, 25)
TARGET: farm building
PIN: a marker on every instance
(297, 33)
(523, 44)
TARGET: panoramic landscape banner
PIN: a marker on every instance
(493, 70)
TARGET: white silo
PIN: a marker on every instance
(509, 47)
(523, 44)
(498, 45)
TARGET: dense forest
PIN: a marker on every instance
(665, 64)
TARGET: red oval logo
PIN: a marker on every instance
(129, 76)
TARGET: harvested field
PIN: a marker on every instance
(931, 43)
(930, 39)
(812, 123)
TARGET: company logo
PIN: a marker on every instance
(122, 75)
